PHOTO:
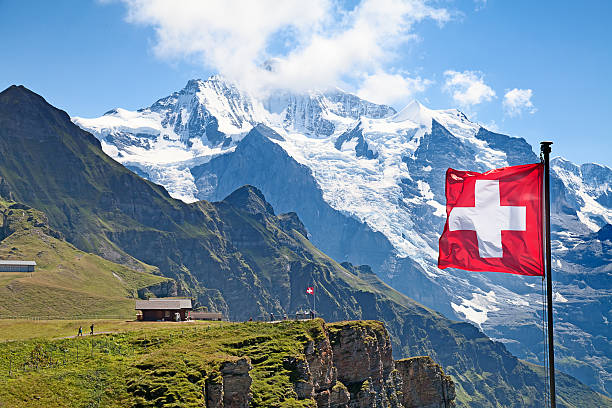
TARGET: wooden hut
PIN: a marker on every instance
(164, 309)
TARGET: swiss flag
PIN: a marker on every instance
(494, 221)
(310, 290)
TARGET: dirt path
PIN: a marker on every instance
(84, 336)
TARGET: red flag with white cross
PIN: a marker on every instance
(494, 221)
(310, 290)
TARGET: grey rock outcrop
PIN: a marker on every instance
(424, 384)
(350, 365)
(230, 389)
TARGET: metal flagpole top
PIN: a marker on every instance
(545, 149)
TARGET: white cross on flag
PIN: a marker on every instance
(310, 290)
(494, 221)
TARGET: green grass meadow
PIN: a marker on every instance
(144, 364)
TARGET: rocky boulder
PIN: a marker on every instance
(424, 384)
(230, 389)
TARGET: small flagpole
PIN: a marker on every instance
(545, 149)
(314, 298)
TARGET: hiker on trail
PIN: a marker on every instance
(80, 331)
(312, 314)
(271, 316)
(250, 319)
(91, 327)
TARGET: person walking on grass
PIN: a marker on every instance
(91, 327)
(80, 331)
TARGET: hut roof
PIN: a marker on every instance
(16, 263)
(163, 304)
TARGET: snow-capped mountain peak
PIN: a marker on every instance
(321, 114)
(206, 105)
(589, 190)
(415, 112)
(418, 113)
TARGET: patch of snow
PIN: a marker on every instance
(428, 195)
(517, 302)
(349, 145)
(477, 308)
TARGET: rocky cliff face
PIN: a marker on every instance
(350, 364)
(347, 365)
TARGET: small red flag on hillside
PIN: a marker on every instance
(310, 290)
(494, 221)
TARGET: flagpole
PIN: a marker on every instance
(314, 289)
(545, 149)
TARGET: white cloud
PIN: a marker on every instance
(480, 4)
(313, 44)
(467, 88)
(382, 87)
(492, 126)
(517, 101)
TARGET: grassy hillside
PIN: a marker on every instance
(67, 282)
(154, 366)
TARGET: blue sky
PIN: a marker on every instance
(538, 70)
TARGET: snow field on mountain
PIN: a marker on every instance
(477, 308)
(572, 177)
(124, 120)
(367, 189)
(166, 159)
